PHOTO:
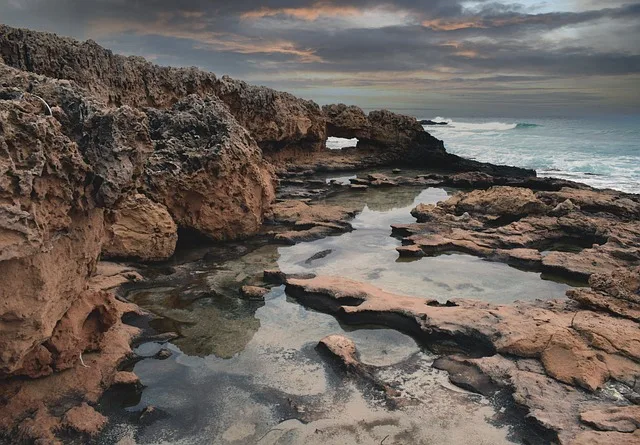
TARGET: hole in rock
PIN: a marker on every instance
(94, 323)
(572, 244)
(191, 238)
(334, 143)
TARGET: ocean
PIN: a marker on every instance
(603, 153)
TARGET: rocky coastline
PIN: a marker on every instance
(106, 157)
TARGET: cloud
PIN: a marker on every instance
(399, 50)
(198, 32)
(311, 13)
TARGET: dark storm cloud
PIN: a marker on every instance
(395, 45)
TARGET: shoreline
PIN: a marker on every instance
(133, 159)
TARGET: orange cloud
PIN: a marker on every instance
(486, 22)
(196, 31)
(460, 50)
(452, 25)
(308, 14)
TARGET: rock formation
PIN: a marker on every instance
(546, 353)
(386, 138)
(104, 154)
(141, 229)
(207, 170)
(522, 228)
(276, 120)
(309, 222)
(84, 170)
(284, 126)
(51, 235)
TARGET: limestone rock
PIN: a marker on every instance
(276, 120)
(544, 352)
(606, 438)
(497, 201)
(310, 222)
(115, 79)
(346, 121)
(84, 419)
(111, 275)
(616, 292)
(591, 200)
(38, 290)
(114, 141)
(493, 224)
(343, 348)
(140, 229)
(301, 213)
(623, 419)
(126, 378)
(42, 179)
(253, 292)
(207, 170)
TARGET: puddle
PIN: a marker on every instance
(368, 254)
(278, 389)
(245, 372)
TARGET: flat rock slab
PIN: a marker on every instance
(554, 350)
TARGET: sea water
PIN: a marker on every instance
(603, 153)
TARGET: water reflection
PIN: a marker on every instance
(247, 372)
(368, 254)
(202, 303)
(280, 390)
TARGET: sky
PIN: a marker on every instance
(425, 57)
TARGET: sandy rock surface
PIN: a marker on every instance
(140, 229)
(575, 352)
(510, 224)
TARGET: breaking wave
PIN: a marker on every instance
(484, 126)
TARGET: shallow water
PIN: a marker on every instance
(368, 254)
(248, 372)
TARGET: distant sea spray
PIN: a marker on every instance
(484, 126)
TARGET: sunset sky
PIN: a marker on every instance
(427, 57)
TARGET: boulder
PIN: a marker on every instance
(84, 419)
(207, 170)
(510, 202)
(253, 292)
(140, 229)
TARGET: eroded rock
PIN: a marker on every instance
(509, 224)
(84, 419)
(623, 419)
(277, 121)
(207, 170)
(140, 229)
(553, 352)
(310, 222)
(253, 292)
(616, 292)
